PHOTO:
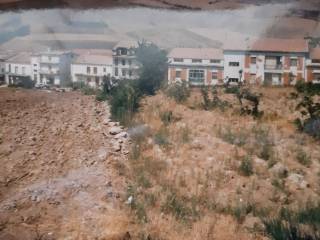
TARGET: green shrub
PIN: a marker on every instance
(162, 137)
(303, 158)
(303, 224)
(101, 96)
(178, 91)
(246, 167)
(177, 206)
(166, 117)
(86, 90)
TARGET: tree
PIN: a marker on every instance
(153, 68)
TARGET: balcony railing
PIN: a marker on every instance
(273, 66)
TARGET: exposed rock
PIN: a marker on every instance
(253, 223)
(279, 170)
(116, 147)
(196, 144)
(115, 130)
(121, 135)
(297, 180)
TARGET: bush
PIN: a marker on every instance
(161, 137)
(289, 225)
(178, 91)
(246, 167)
(86, 90)
(124, 101)
(166, 117)
(303, 158)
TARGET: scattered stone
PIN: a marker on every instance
(297, 180)
(121, 135)
(196, 144)
(115, 130)
(279, 170)
(253, 223)
(116, 147)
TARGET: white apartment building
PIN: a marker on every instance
(267, 61)
(18, 68)
(125, 65)
(91, 68)
(51, 68)
(196, 66)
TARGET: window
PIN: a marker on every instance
(49, 58)
(16, 70)
(196, 60)
(253, 60)
(315, 60)
(178, 60)
(116, 62)
(104, 69)
(178, 74)
(97, 80)
(23, 70)
(88, 70)
(123, 62)
(35, 65)
(215, 61)
(130, 62)
(95, 70)
(293, 62)
(214, 75)
(196, 76)
(116, 72)
(130, 73)
(35, 77)
(234, 64)
(124, 72)
(233, 80)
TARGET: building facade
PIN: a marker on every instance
(18, 69)
(125, 64)
(196, 66)
(91, 69)
(51, 68)
(313, 66)
(268, 61)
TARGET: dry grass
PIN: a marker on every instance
(203, 174)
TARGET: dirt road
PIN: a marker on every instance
(57, 177)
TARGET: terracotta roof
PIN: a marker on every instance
(23, 57)
(315, 53)
(196, 53)
(94, 59)
(273, 45)
(280, 45)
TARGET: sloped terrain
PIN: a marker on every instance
(57, 175)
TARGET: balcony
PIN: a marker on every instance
(49, 72)
(273, 66)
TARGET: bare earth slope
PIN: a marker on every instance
(56, 176)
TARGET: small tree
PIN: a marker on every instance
(153, 68)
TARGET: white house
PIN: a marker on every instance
(91, 68)
(267, 61)
(196, 66)
(18, 68)
(125, 65)
(51, 68)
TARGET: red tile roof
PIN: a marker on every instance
(315, 53)
(196, 53)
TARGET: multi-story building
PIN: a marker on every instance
(267, 61)
(196, 66)
(18, 68)
(51, 68)
(3, 58)
(313, 66)
(125, 65)
(91, 68)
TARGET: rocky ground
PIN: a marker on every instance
(57, 175)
